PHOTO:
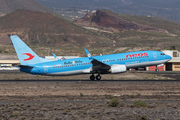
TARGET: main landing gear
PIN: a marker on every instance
(98, 77)
(157, 70)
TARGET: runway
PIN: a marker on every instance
(89, 81)
(81, 102)
(16, 76)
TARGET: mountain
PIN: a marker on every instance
(133, 31)
(44, 29)
(106, 20)
(160, 8)
(8, 6)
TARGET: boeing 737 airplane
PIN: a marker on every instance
(104, 64)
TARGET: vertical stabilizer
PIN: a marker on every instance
(25, 54)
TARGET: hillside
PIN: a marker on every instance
(107, 20)
(8, 6)
(44, 32)
(160, 8)
(133, 32)
(45, 29)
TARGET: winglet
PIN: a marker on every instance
(55, 56)
(88, 54)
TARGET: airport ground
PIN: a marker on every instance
(31, 97)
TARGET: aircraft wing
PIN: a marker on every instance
(97, 65)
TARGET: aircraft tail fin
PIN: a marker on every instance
(25, 54)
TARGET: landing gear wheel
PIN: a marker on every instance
(98, 77)
(92, 77)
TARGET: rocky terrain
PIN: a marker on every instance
(104, 19)
(81, 100)
(44, 29)
(159, 8)
(89, 100)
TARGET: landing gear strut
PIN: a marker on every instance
(157, 69)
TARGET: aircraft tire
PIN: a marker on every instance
(98, 77)
(92, 77)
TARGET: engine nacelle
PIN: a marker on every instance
(118, 68)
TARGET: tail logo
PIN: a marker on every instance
(30, 56)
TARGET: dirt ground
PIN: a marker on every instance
(129, 75)
(88, 100)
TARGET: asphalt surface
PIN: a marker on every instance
(81, 102)
(89, 81)
(10, 71)
(170, 74)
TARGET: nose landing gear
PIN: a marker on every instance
(98, 77)
(156, 69)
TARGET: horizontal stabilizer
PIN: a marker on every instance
(26, 67)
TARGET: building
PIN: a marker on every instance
(172, 65)
(8, 64)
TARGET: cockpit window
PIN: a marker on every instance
(162, 54)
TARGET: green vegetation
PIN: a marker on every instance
(110, 96)
(14, 114)
(140, 103)
(144, 117)
(114, 102)
(139, 94)
(132, 96)
(81, 95)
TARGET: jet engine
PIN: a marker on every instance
(118, 68)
